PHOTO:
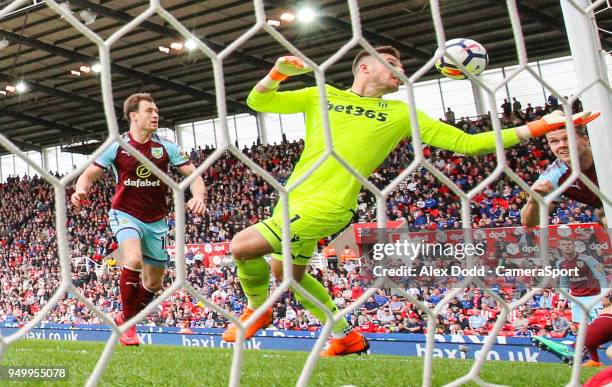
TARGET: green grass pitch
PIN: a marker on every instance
(185, 366)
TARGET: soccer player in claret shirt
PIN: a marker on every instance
(560, 170)
(365, 128)
(599, 332)
(588, 285)
(138, 210)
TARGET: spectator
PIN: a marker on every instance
(450, 116)
(370, 306)
(385, 316)
(520, 321)
(395, 305)
(523, 332)
(414, 325)
(546, 300)
(560, 325)
(553, 102)
(516, 106)
(381, 298)
(529, 113)
(506, 108)
(476, 320)
(466, 303)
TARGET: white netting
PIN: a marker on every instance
(580, 10)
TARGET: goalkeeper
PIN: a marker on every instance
(365, 128)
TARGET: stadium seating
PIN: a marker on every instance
(237, 199)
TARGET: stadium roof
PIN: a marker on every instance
(61, 108)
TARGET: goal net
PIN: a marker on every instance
(584, 36)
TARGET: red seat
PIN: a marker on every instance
(468, 332)
(557, 335)
(533, 320)
(510, 333)
(540, 312)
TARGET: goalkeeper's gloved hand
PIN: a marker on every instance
(285, 66)
(556, 120)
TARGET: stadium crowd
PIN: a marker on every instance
(30, 269)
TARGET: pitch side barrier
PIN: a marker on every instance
(408, 344)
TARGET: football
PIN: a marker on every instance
(471, 54)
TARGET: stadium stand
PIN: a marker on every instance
(237, 198)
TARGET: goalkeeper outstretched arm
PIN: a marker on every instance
(448, 137)
(433, 132)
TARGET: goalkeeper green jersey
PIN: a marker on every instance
(364, 131)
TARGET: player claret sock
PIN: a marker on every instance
(231, 333)
(129, 337)
(353, 343)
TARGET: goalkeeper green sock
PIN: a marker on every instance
(254, 276)
(318, 291)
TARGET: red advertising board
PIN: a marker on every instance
(586, 235)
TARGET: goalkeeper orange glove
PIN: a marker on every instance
(556, 120)
(286, 66)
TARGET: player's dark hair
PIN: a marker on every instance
(390, 50)
(132, 103)
(581, 130)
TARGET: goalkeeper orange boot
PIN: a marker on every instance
(231, 333)
(354, 342)
(129, 337)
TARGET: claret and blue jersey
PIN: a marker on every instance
(138, 191)
(558, 172)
